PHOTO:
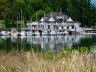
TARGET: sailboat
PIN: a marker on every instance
(29, 31)
(23, 32)
(14, 32)
(44, 30)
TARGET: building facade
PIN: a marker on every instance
(55, 23)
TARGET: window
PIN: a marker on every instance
(67, 27)
(48, 26)
(72, 26)
(54, 26)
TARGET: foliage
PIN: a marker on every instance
(67, 51)
(1, 23)
(79, 10)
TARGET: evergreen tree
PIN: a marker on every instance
(80, 10)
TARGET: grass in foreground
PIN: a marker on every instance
(36, 62)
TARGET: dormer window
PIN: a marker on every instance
(59, 17)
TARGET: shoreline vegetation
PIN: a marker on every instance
(64, 61)
(82, 11)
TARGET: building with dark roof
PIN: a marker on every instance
(58, 17)
(55, 23)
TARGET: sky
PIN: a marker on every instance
(94, 2)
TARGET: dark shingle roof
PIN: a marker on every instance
(56, 16)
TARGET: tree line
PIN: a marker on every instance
(80, 10)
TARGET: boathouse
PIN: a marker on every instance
(55, 23)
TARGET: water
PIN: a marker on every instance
(54, 43)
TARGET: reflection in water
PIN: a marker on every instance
(41, 42)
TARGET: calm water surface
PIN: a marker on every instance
(54, 43)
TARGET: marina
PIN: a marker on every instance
(47, 36)
(53, 23)
(29, 32)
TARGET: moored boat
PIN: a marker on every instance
(23, 33)
(5, 33)
(89, 31)
(14, 32)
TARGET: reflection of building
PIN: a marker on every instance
(55, 23)
(55, 42)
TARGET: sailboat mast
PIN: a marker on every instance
(4, 22)
(44, 20)
(17, 22)
(21, 19)
(43, 24)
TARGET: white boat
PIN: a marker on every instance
(52, 32)
(14, 32)
(89, 31)
(8, 33)
(37, 33)
(5, 33)
(29, 33)
(22, 33)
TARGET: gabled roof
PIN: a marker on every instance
(69, 19)
(56, 16)
(51, 19)
(42, 19)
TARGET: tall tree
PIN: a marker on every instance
(14, 12)
(79, 10)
